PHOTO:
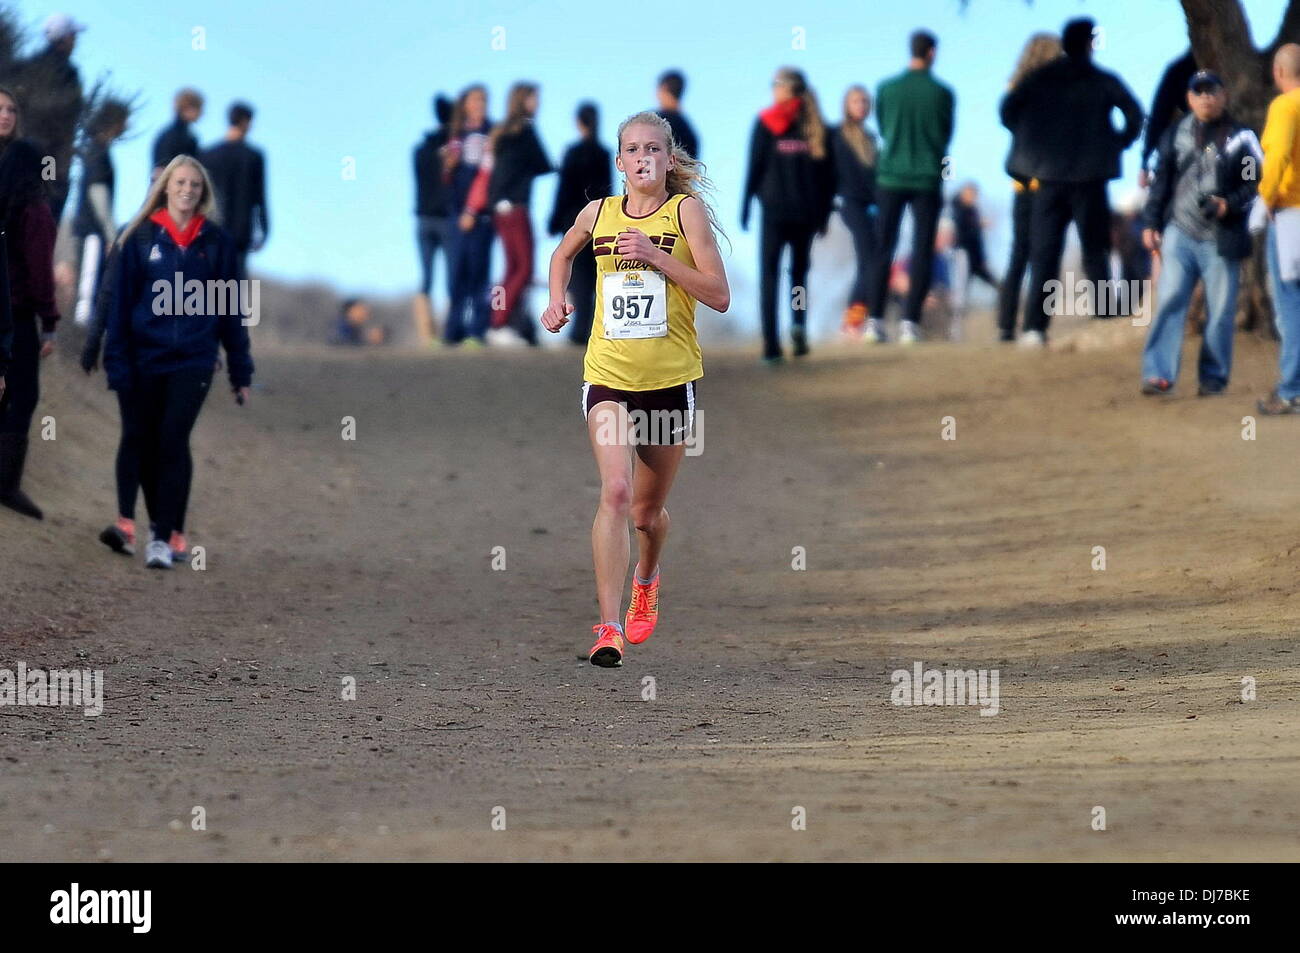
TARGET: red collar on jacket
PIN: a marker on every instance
(184, 237)
(779, 117)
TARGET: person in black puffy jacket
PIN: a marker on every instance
(1061, 118)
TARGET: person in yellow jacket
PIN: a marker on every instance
(1279, 190)
(656, 256)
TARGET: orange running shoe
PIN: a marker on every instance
(608, 650)
(180, 549)
(855, 318)
(643, 613)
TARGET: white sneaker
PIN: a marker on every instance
(1030, 340)
(504, 337)
(909, 332)
(875, 332)
(158, 555)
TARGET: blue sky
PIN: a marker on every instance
(335, 79)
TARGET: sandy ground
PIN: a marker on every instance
(1119, 688)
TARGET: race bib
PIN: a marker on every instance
(636, 305)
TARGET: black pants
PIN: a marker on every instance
(1022, 213)
(582, 286)
(775, 237)
(23, 379)
(1056, 204)
(430, 235)
(127, 469)
(6, 312)
(978, 266)
(162, 410)
(861, 223)
(925, 207)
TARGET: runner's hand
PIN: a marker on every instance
(241, 395)
(47, 348)
(556, 315)
(2, 386)
(1151, 240)
(635, 243)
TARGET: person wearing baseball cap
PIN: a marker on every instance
(1195, 221)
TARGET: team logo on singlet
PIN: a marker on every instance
(604, 244)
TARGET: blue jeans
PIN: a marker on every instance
(1286, 311)
(468, 257)
(1183, 261)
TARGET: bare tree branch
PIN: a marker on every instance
(1289, 31)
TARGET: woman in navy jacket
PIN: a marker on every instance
(176, 299)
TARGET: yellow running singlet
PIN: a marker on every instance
(643, 334)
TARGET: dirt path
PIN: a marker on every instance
(373, 559)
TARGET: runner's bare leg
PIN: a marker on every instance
(608, 428)
(653, 477)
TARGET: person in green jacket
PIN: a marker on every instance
(915, 114)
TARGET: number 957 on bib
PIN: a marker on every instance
(635, 305)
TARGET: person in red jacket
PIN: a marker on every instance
(28, 224)
(793, 176)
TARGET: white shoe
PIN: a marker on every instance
(909, 332)
(158, 555)
(504, 337)
(1030, 340)
(875, 332)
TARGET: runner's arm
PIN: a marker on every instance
(707, 281)
(558, 309)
